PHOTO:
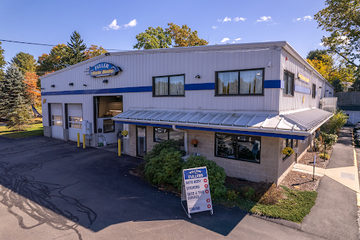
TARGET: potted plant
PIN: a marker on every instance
(288, 151)
(194, 142)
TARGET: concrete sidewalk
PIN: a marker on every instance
(334, 214)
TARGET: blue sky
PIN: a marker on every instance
(218, 22)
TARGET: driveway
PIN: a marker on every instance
(49, 189)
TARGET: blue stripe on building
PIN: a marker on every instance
(263, 134)
(188, 87)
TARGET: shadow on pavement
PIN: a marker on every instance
(54, 183)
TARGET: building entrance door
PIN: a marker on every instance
(140, 141)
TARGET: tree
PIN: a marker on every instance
(14, 100)
(153, 38)
(31, 80)
(25, 62)
(317, 54)
(184, 37)
(75, 49)
(356, 85)
(54, 61)
(2, 62)
(341, 19)
(338, 86)
(94, 51)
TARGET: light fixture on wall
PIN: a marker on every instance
(105, 81)
(269, 64)
(320, 87)
(53, 86)
(327, 90)
(84, 85)
(330, 92)
(107, 54)
(197, 76)
(42, 88)
(71, 84)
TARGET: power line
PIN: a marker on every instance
(45, 44)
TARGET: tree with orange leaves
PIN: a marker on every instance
(94, 51)
(34, 94)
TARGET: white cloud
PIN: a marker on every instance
(219, 20)
(308, 17)
(296, 19)
(225, 40)
(237, 39)
(226, 19)
(113, 25)
(132, 23)
(264, 19)
(239, 19)
(214, 27)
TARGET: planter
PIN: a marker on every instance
(195, 145)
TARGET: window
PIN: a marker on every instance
(288, 83)
(313, 91)
(239, 147)
(169, 86)
(244, 82)
(75, 122)
(163, 134)
(289, 142)
(57, 120)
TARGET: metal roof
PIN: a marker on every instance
(301, 121)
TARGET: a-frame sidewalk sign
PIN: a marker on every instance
(195, 191)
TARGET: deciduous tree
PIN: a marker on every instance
(53, 61)
(341, 18)
(33, 92)
(94, 51)
(25, 62)
(153, 38)
(184, 37)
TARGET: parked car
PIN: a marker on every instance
(357, 126)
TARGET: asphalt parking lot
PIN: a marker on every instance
(49, 189)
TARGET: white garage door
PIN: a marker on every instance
(57, 120)
(75, 121)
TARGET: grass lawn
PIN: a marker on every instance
(35, 129)
(294, 205)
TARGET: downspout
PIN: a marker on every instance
(185, 137)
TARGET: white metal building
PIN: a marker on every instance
(243, 102)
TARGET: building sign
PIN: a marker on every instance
(196, 190)
(104, 69)
(303, 78)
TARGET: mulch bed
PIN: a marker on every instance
(308, 159)
(301, 181)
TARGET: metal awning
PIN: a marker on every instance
(296, 125)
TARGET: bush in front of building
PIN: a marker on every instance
(335, 123)
(324, 156)
(165, 167)
(163, 145)
(216, 174)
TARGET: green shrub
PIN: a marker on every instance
(165, 168)
(329, 139)
(162, 145)
(324, 156)
(250, 193)
(231, 195)
(216, 174)
(335, 123)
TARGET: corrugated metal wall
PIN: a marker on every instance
(139, 68)
(296, 101)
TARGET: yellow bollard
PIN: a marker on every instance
(119, 147)
(78, 140)
(84, 141)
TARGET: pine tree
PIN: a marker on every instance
(75, 49)
(2, 63)
(14, 100)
